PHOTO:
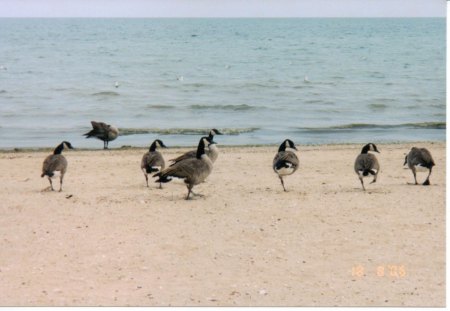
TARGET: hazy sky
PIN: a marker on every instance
(222, 8)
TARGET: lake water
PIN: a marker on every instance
(260, 81)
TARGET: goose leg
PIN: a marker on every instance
(415, 178)
(51, 184)
(146, 179)
(282, 183)
(61, 182)
(160, 185)
(362, 184)
(105, 144)
(189, 192)
(427, 181)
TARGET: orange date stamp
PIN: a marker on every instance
(388, 271)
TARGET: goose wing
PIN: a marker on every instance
(285, 159)
(54, 162)
(188, 155)
(152, 159)
(183, 169)
(426, 157)
(366, 162)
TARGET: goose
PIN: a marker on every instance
(285, 161)
(192, 170)
(212, 153)
(103, 132)
(153, 161)
(366, 163)
(55, 165)
(420, 160)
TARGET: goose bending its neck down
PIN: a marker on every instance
(418, 160)
(285, 161)
(55, 165)
(366, 164)
(103, 132)
(193, 170)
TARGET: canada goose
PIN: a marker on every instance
(212, 152)
(366, 163)
(56, 164)
(192, 170)
(420, 160)
(285, 161)
(152, 161)
(103, 132)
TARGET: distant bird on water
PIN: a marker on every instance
(116, 84)
(212, 152)
(194, 171)
(103, 132)
(153, 161)
(366, 164)
(420, 160)
(55, 165)
(285, 161)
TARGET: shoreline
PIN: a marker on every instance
(221, 146)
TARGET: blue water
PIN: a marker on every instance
(315, 81)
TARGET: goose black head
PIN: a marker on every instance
(406, 160)
(214, 132)
(287, 144)
(369, 147)
(157, 144)
(204, 141)
(61, 146)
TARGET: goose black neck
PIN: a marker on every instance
(153, 147)
(59, 149)
(282, 147)
(365, 149)
(200, 149)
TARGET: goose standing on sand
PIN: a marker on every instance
(193, 170)
(212, 153)
(420, 160)
(285, 161)
(153, 161)
(103, 132)
(366, 164)
(55, 165)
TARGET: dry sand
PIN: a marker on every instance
(109, 240)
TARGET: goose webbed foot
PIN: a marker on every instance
(426, 182)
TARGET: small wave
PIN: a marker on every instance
(183, 131)
(106, 93)
(159, 107)
(3, 92)
(223, 107)
(359, 126)
(378, 106)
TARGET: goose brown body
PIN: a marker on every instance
(103, 131)
(193, 170)
(55, 165)
(419, 159)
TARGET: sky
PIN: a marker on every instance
(222, 8)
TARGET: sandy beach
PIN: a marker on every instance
(108, 240)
